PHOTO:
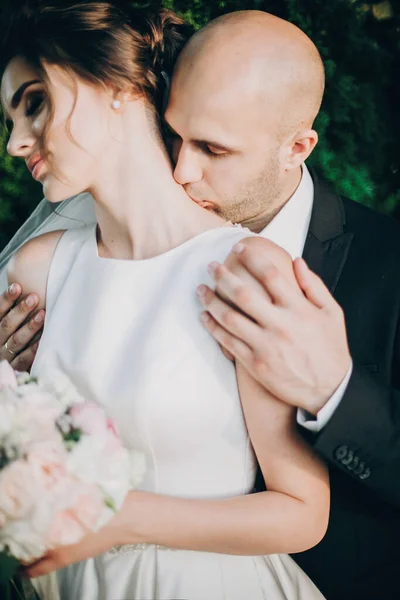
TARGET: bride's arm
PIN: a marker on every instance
(30, 265)
(290, 517)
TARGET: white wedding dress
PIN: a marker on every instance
(128, 334)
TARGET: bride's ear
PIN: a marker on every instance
(120, 98)
(117, 97)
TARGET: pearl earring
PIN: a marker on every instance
(116, 104)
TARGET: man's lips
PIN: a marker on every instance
(203, 203)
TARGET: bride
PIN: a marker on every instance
(81, 89)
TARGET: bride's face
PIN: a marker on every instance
(78, 137)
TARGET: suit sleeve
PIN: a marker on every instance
(362, 438)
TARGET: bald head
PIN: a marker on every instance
(257, 54)
(244, 95)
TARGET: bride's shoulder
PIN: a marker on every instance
(30, 265)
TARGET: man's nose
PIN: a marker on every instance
(21, 142)
(187, 167)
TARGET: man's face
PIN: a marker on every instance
(226, 156)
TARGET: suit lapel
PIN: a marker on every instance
(327, 244)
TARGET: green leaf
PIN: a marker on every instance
(8, 568)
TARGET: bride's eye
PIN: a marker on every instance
(34, 104)
(9, 126)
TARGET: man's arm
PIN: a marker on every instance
(323, 416)
(297, 348)
(362, 437)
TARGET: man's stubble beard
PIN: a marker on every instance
(256, 204)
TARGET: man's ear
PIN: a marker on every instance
(300, 147)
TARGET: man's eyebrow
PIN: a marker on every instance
(216, 145)
(16, 99)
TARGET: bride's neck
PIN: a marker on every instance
(141, 210)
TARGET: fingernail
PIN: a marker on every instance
(12, 289)
(39, 318)
(211, 268)
(204, 317)
(201, 290)
(30, 301)
(238, 248)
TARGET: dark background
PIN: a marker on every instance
(359, 124)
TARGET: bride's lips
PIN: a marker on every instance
(36, 169)
(35, 165)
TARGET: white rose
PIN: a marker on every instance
(57, 383)
(23, 541)
(7, 375)
(8, 411)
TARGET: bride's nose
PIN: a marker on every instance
(22, 140)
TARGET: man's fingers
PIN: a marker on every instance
(8, 298)
(231, 320)
(272, 267)
(19, 340)
(14, 318)
(242, 294)
(313, 287)
(24, 361)
(228, 342)
(228, 354)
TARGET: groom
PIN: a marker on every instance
(243, 99)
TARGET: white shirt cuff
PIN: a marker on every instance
(320, 421)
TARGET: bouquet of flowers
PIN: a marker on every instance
(63, 469)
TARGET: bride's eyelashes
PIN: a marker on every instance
(34, 104)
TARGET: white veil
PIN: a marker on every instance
(77, 211)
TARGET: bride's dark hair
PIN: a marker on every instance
(105, 42)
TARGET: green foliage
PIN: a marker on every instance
(19, 194)
(359, 120)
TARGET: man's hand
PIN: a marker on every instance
(20, 327)
(295, 341)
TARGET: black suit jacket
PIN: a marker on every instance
(356, 252)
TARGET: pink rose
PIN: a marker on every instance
(7, 376)
(111, 427)
(20, 488)
(49, 458)
(65, 530)
(89, 417)
(89, 507)
(70, 526)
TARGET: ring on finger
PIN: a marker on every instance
(8, 349)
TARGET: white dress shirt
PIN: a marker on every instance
(289, 230)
